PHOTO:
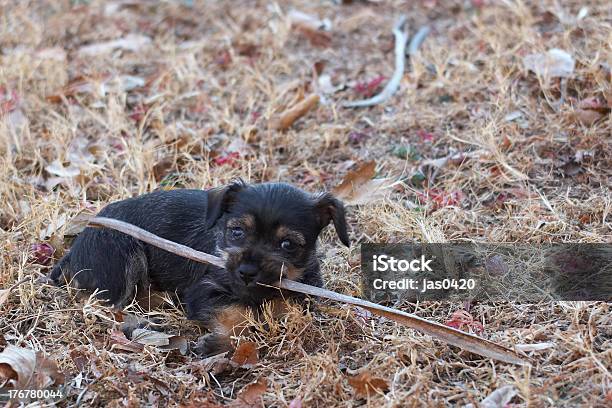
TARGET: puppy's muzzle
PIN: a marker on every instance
(248, 272)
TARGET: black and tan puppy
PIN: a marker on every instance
(264, 231)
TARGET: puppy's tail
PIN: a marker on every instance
(59, 270)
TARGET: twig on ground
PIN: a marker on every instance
(417, 40)
(438, 164)
(450, 335)
(401, 38)
(284, 120)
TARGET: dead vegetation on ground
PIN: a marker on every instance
(489, 138)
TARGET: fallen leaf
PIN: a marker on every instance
(150, 337)
(356, 138)
(227, 159)
(161, 340)
(498, 398)
(125, 83)
(299, 17)
(462, 320)
(365, 384)
(534, 347)
(296, 403)
(131, 42)
(417, 179)
(79, 359)
(41, 253)
(250, 395)
(360, 186)
(439, 198)
(246, 354)
(554, 63)
(97, 85)
(587, 117)
(590, 110)
(513, 116)
(177, 343)
(406, 152)
(25, 368)
(285, 119)
(9, 101)
(359, 19)
(80, 85)
(594, 103)
(119, 341)
(425, 136)
(162, 168)
(316, 37)
(241, 147)
(58, 169)
(369, 88)
(325, 85)
(246, 49)
(138, 112)
(215, 365)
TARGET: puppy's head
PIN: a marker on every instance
(270, 230)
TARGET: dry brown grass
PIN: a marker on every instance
(215, 74)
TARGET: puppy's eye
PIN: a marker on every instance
(237, 233)
(287, 245)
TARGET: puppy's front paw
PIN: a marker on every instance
(212, 344)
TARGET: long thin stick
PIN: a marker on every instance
(417, 40)
(284, 120)
(401, 37)
(159, 242)
(450, 335)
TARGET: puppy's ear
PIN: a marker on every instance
(219, 200)
(329, 208)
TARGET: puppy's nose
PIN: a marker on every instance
(247, 272)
